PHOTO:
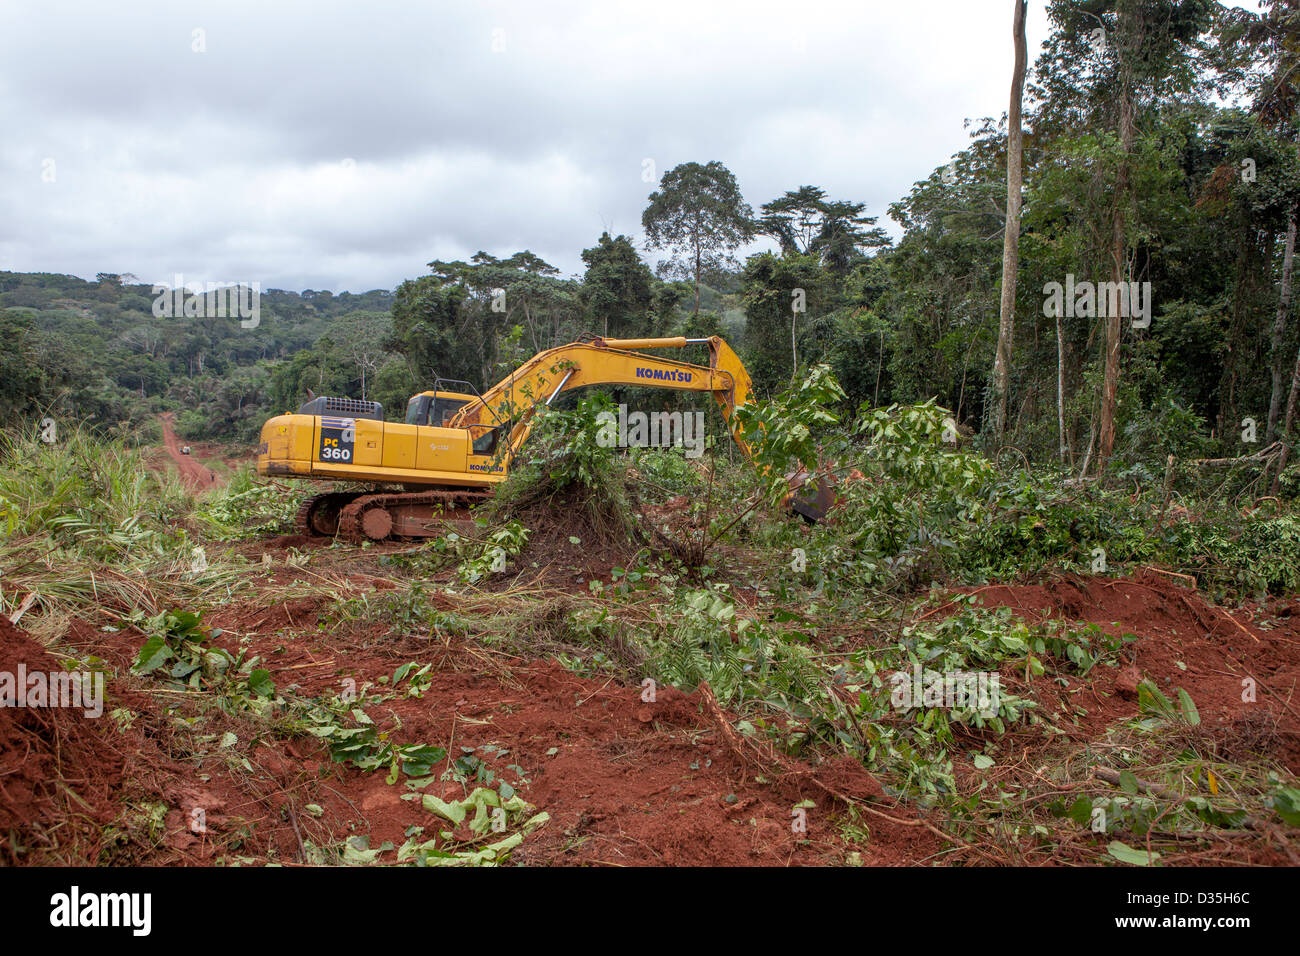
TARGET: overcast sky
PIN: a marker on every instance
(343, 146)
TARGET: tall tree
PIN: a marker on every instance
(1279, 329)
(846, 234)
(698, 214)
(943, 275)
(362, 340)
(617, 286)
(805, 222)
(773, 286)
(495, 295)
(794, 219)
(1276, 35)
(1011, 240)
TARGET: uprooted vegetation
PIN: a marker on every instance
(642, 659)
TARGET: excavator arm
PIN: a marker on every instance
(512, 403)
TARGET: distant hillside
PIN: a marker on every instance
(96, 351)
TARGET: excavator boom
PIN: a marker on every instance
(513, 401)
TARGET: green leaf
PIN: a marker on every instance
(419, 759)
(260, 683)
(1190, 713)
(1286, 802)
(1126, 854)
(1012, 643)
(153, 655)
(1152, 701)
(181, 623)
(1081, 811)
(182, 669)
(357, 852)
(455, 812)
(982, 761)
(1128, 782)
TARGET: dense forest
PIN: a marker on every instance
(1150, 311)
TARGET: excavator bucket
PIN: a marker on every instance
(811, 495)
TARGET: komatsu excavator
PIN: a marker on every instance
(456, 445)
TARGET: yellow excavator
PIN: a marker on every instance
(456, 445)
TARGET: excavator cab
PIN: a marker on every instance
(435, 408)
(438, 406)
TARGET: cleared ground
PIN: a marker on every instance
(624, 780)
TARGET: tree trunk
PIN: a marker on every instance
(697, 280)
(1279, 329)
(1237, 340)
(1286, 425)
(1291, 398)
(698, 243)
(1060, 383)
(1011, 240)
(880, 368)
(794, 346)
(1118, 246)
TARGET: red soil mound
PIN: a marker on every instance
(59, 769)
(1240, 668)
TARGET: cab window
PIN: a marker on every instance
(443, 409)
(417, 410)
(486, 443)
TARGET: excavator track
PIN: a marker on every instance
(421, 514)
(318, 516)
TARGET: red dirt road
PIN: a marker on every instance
(193, 474)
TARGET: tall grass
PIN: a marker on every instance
(249, 506)
(101, 481)
(85, 523)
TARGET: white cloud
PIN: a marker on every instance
(230, 164)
